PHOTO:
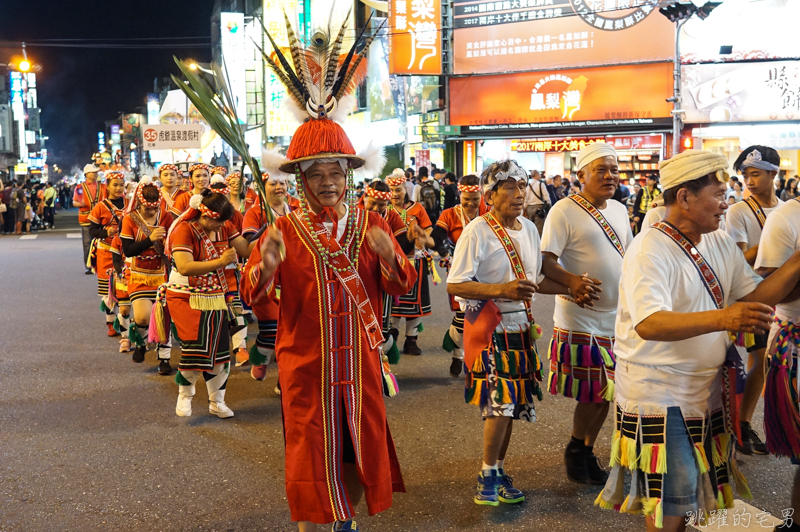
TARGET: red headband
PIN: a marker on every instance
(469, 188)
(233, 175)
(394, 181)
(114, 175)
(142, 201)
(168, 167)
(377, 194)
(208, 212)
(220, 170)
(224, 191)
(198, 166)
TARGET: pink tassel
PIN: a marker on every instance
(781, 420)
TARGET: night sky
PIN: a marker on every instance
(79, 89)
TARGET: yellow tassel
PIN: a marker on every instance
(719, 449)
(147, 279)
(603, 504)
(158, 314)
(645, 457)
(700, 455)
(121, 286)
(207, 302)
(615, 450)
(573, 355)
(609, 390)
(435, 274)
(661, 461)
(659, 520)
(630, 452)
(742, 486)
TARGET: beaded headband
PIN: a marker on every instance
(377, 194)
(219, 170)
(198, 166)
(114, 175)
(208, 212)
(168, 167)
(469, 188)
(144, 202)
(224, 191)
(233, 175)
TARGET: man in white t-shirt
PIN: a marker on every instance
(745, 220)
(685, 286)
(780, 240)
(583, 243)
(537, 200)
(496, 271)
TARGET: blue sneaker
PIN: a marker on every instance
(506, 491)
(345, 526)
(486, 492)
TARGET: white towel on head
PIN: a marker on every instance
(595, 151)
(691, 165)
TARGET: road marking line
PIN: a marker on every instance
(28, 237)
(740, 518)
(73, 235)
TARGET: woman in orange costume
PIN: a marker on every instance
(201, 179)
(105, 220)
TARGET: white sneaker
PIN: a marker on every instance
(184, 406)
(220, 409)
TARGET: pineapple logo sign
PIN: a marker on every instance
(613, 15)
(558, 92)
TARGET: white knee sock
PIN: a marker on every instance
(412, 326)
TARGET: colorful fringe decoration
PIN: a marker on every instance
(578, 370)
(516, 379)
(159, 318)
(147, 279)
(393, 356)
(103, 306)
(434, 274)
(207, 302)
(135, 336)
(746, 340)
(256, 358)
(781, 417)
(447, 343)
(390, 386)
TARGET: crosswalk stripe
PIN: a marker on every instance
(740, 518)
(73, 235)
(28, 237)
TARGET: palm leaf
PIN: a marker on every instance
(219, 110)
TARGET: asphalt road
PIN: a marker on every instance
(90, 441)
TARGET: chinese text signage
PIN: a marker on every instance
(172, 136)
(415, 41)
(743, 92)
(518, 35)
(620, 95)
(553, 145)
(645, 142)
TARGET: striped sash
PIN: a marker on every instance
(601, 221)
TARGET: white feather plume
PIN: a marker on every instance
(195, 201)
(146, 180)
(346, 105)
(290, 108)
(375, 160)
(271, 161)
(217, 178)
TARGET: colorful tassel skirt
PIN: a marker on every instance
(505, 378)
(582, 366)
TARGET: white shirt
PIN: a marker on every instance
(657, 275)
(409, 189)
(582, 246)
(742, 224)
(781, 238)
(479, 256)
(534, 188)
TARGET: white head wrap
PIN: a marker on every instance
(305, 165)
(595, 151)
(691, 165)
(754, 160)
(493, 175)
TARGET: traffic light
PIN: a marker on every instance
(706, 10)
(678, 11)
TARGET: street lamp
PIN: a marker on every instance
(680, 12)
